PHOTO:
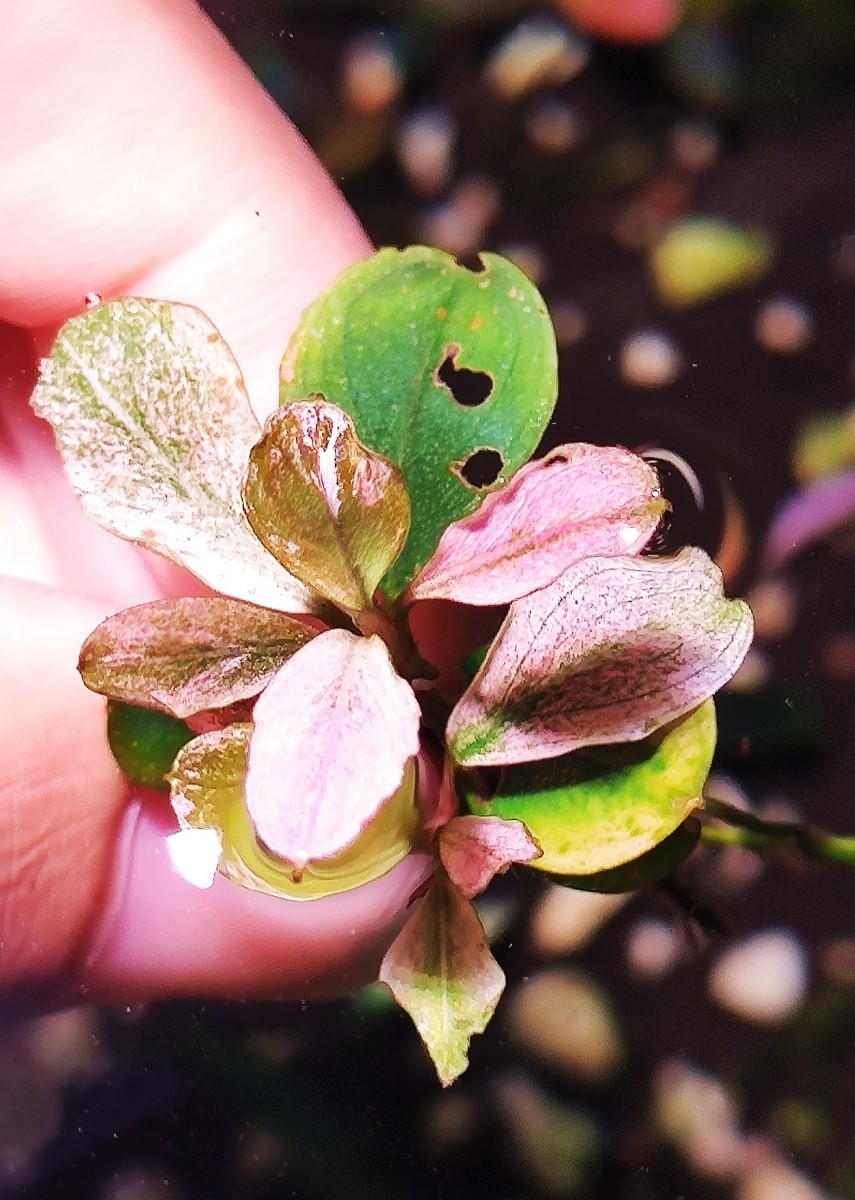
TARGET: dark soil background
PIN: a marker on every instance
(338, 1102)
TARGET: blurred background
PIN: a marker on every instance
(687, 207)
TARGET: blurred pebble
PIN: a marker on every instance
(843, 258)
(425, 141)
(553, 127)
(698, 1115)
(837, 961)
(565, 920)
(139, 1183)
(639, 225)
(570, 322)
(753, 673)
(825, 445)
(557, 1145)
(639, 22)
(450, 1121)
(783, 326)
(529, 258)
(30, 1106)
(733, 870)
(773, 603)
(371, 77)
(66, 1045)
(762, 978)
(649, 359)
(275, 1047)
(261, 1152)
(837, 656)
(694, 144)
(768, 1177)
(460, 225)
(564, 1020)
(702, 257)
(653, 948)
(799, 1124)
(538, 52)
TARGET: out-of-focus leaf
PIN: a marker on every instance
(649, 867)
(207, 781)
(700, 258)
(332, 734)
(817, 512)
(436, 364)
(440, 970)
(144, 743)
(596, 809)
(611, 651)
(189, 654)
(578, 501)
(154, 426)
(334, 513)
(474, 849)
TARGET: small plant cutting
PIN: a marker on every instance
(293, 714)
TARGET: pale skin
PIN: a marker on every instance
(139, 156)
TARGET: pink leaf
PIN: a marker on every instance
(332, 735)
(578, 501)
(440, 970)
(822, 509)
(474, 849)
(612, 650)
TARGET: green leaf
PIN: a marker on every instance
(154, 426)
(650, 867)
(334, 513)
(189, 654)
(144, 742)
(207, 784)
(441, 971)
(598, 808)
(393, 339)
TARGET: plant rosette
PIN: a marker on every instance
(289, 712)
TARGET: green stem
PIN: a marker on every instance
(740, 828)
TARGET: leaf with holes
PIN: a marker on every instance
(609, 652)
(154, 426)
(440, 970)
(189, 654)
(578, 501)
(440, 367)
(332, 735)
(474, 849)
(331, 511)
(598, 808)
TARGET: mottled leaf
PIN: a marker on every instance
(334, 513)
(596, 809)
(207, 785)
(578, 501)
(609, 652)
(144, 743)
(444, 370)
(154, 426)
(441, 972)
(331, 738)
(474, 849)
(650, 867)
(189, 654)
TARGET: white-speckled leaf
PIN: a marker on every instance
(441, 971)
(189, 654)
(578, 501)
(474, 849)
(154, 426)
(612, 650)
(332, 734)
(334, 513)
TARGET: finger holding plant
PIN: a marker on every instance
(395, 471)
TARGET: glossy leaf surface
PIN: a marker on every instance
(144, 743)
(395, 339)
(189, 654)
(578, 501)
(596, 809)
(609, 652)
(474, 849)
(332, 734)
(332, 512)
(207, 782)
(154, 426)
(441, 971)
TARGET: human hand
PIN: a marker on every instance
(139, 156)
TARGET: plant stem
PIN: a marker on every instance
(740, 828)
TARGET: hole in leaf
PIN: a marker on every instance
(481, 469)
(469, 388)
